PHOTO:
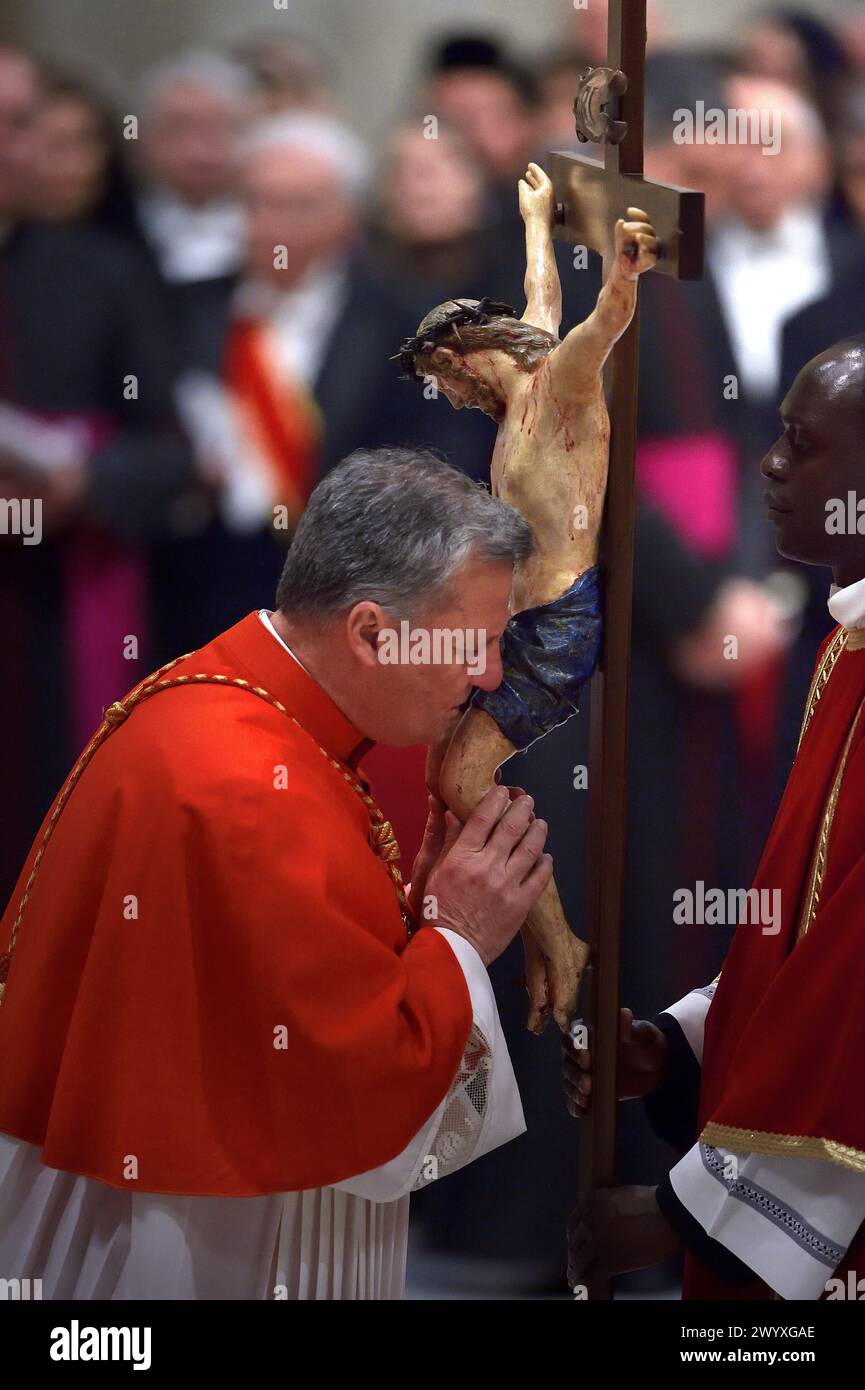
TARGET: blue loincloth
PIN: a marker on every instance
(548, 654)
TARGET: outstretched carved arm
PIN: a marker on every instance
(579, 361)
(542, 285)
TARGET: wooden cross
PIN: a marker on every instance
(591, 196)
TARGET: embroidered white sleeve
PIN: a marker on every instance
(690, 1014)
(481, 1111)
(789, 1219)
(456, 1138)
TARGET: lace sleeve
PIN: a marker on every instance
(455, 1139)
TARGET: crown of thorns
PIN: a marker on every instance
(458, 316)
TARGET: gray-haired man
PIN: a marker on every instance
(251, 1004)
(194, 108)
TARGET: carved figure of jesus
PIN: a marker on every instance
(550, 461)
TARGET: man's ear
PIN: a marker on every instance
(442, 359)
(363, 627)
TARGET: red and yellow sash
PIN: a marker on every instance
(280, 415)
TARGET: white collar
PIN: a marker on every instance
(164, 203)
(798, 229)
(847, 605)
(258, 299)
(265, 618)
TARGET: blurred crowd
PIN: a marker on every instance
(201, 286)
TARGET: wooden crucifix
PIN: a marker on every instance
(590, 197)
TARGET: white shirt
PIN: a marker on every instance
(193, 243)
(300, 323)
(301, 319)
(762, 279)
(86, 1240)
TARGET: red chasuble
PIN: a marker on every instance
(784, 1050)
(211, 989)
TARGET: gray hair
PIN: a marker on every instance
(391, 526)
(197, 67)
(322, 135)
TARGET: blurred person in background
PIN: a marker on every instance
(795, 48)
(840, 312)
(88, 443)
(473, 85)
(772, 252)
(851, 158)
(193, 110)
(478, 87)
(431, 218)
(291, 74)
(853, 37)
(585, 26)
(77, 172)
(556, 75)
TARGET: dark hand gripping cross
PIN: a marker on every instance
(591, 196)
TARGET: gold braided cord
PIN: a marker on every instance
(382, 837)
(758, 1141)
(821, 849)
(821, 676)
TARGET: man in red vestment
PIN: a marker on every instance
(216, 985)
(763, 1068)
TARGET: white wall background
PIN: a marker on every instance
(375, 42)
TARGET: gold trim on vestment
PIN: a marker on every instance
(818, 862)
(758, 1141)
(821, 676)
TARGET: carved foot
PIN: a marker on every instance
(553, 978)
(565, 971)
